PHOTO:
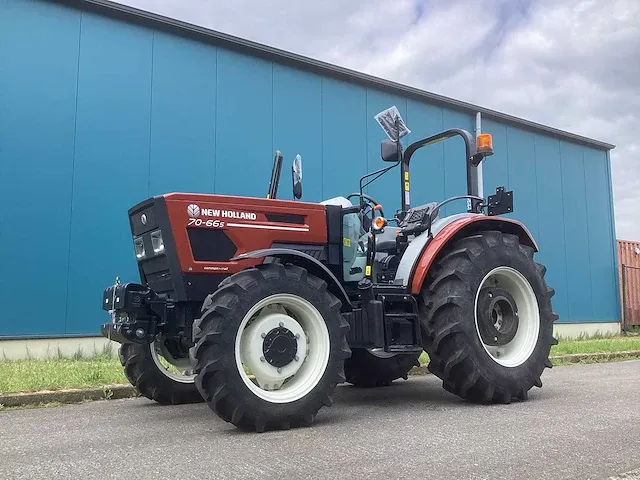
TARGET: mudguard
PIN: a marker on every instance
(464, 226)
(307, 261)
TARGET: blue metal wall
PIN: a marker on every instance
(96, 115)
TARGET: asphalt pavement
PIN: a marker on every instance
(583, 424)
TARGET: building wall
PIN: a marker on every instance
(98, 114)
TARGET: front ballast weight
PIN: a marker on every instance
(137, 312)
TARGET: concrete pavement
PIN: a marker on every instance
(583, 424)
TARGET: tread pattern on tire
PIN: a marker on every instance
(142, 372)
(447, 307)
(214, 332)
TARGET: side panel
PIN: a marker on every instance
(602, 245)
(522, 178)
(386, 189)
(344, 137)
(455, 170)
(38, 74)
(250, 223)
(183, 109)
(112, 145)
(576, 233)
(297, 129)
(244, 125)
(426, 176)
(551, 215)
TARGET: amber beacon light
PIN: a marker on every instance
(484, 144)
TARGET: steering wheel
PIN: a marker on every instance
(372, 203)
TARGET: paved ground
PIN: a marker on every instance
(583, 424)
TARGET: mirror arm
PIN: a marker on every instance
(377, 174)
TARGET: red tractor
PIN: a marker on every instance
(261, 307)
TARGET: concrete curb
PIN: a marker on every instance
(578, 357)
(79, 395)
(113, 392)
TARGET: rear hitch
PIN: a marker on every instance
(136, 313)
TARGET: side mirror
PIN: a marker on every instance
(391, 151)
(296, 177)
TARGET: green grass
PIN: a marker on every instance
(58, 372)
(597, 343)
(103, 367)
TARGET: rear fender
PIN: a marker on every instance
(460, 227)
(304, 260)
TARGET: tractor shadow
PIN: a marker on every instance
(422, 391)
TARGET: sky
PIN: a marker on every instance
(570, 64)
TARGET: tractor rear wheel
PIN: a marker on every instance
(367, 369)
(486, 310)
(270, 347)
(168, 382)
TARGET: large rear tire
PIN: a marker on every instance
(281, 325)
(486, 310)
(367, 369)
(157, 380)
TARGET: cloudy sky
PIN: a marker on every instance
(571, 64)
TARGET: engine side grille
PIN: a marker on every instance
(210, 245)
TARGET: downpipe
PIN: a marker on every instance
(478, 131)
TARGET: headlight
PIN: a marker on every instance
(139, 246)
(156, 241)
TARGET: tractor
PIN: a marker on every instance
(261, 307)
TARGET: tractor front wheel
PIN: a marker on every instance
(486, 309)
(270, 347)
(370, 369)
(157, 375)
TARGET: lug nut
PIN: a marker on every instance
(279, 370)
(140, 333)
(263, 335)
(296, 358)
(281, 324)
(262, 359)
(297, 336)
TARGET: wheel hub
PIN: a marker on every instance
(273, 346)
(497, 316)
(280, 347)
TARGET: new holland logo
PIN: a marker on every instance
(193, 210)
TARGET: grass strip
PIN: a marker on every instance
(103, 368)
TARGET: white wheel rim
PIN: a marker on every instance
(521, 346)
(296, 379)
(185, 374)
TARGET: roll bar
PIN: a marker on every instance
(473, 159)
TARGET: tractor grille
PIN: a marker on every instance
(157, 274)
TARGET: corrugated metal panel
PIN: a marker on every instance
(177, 27)
(129, 112)
(629, 271)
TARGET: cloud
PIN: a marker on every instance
(574, 65)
